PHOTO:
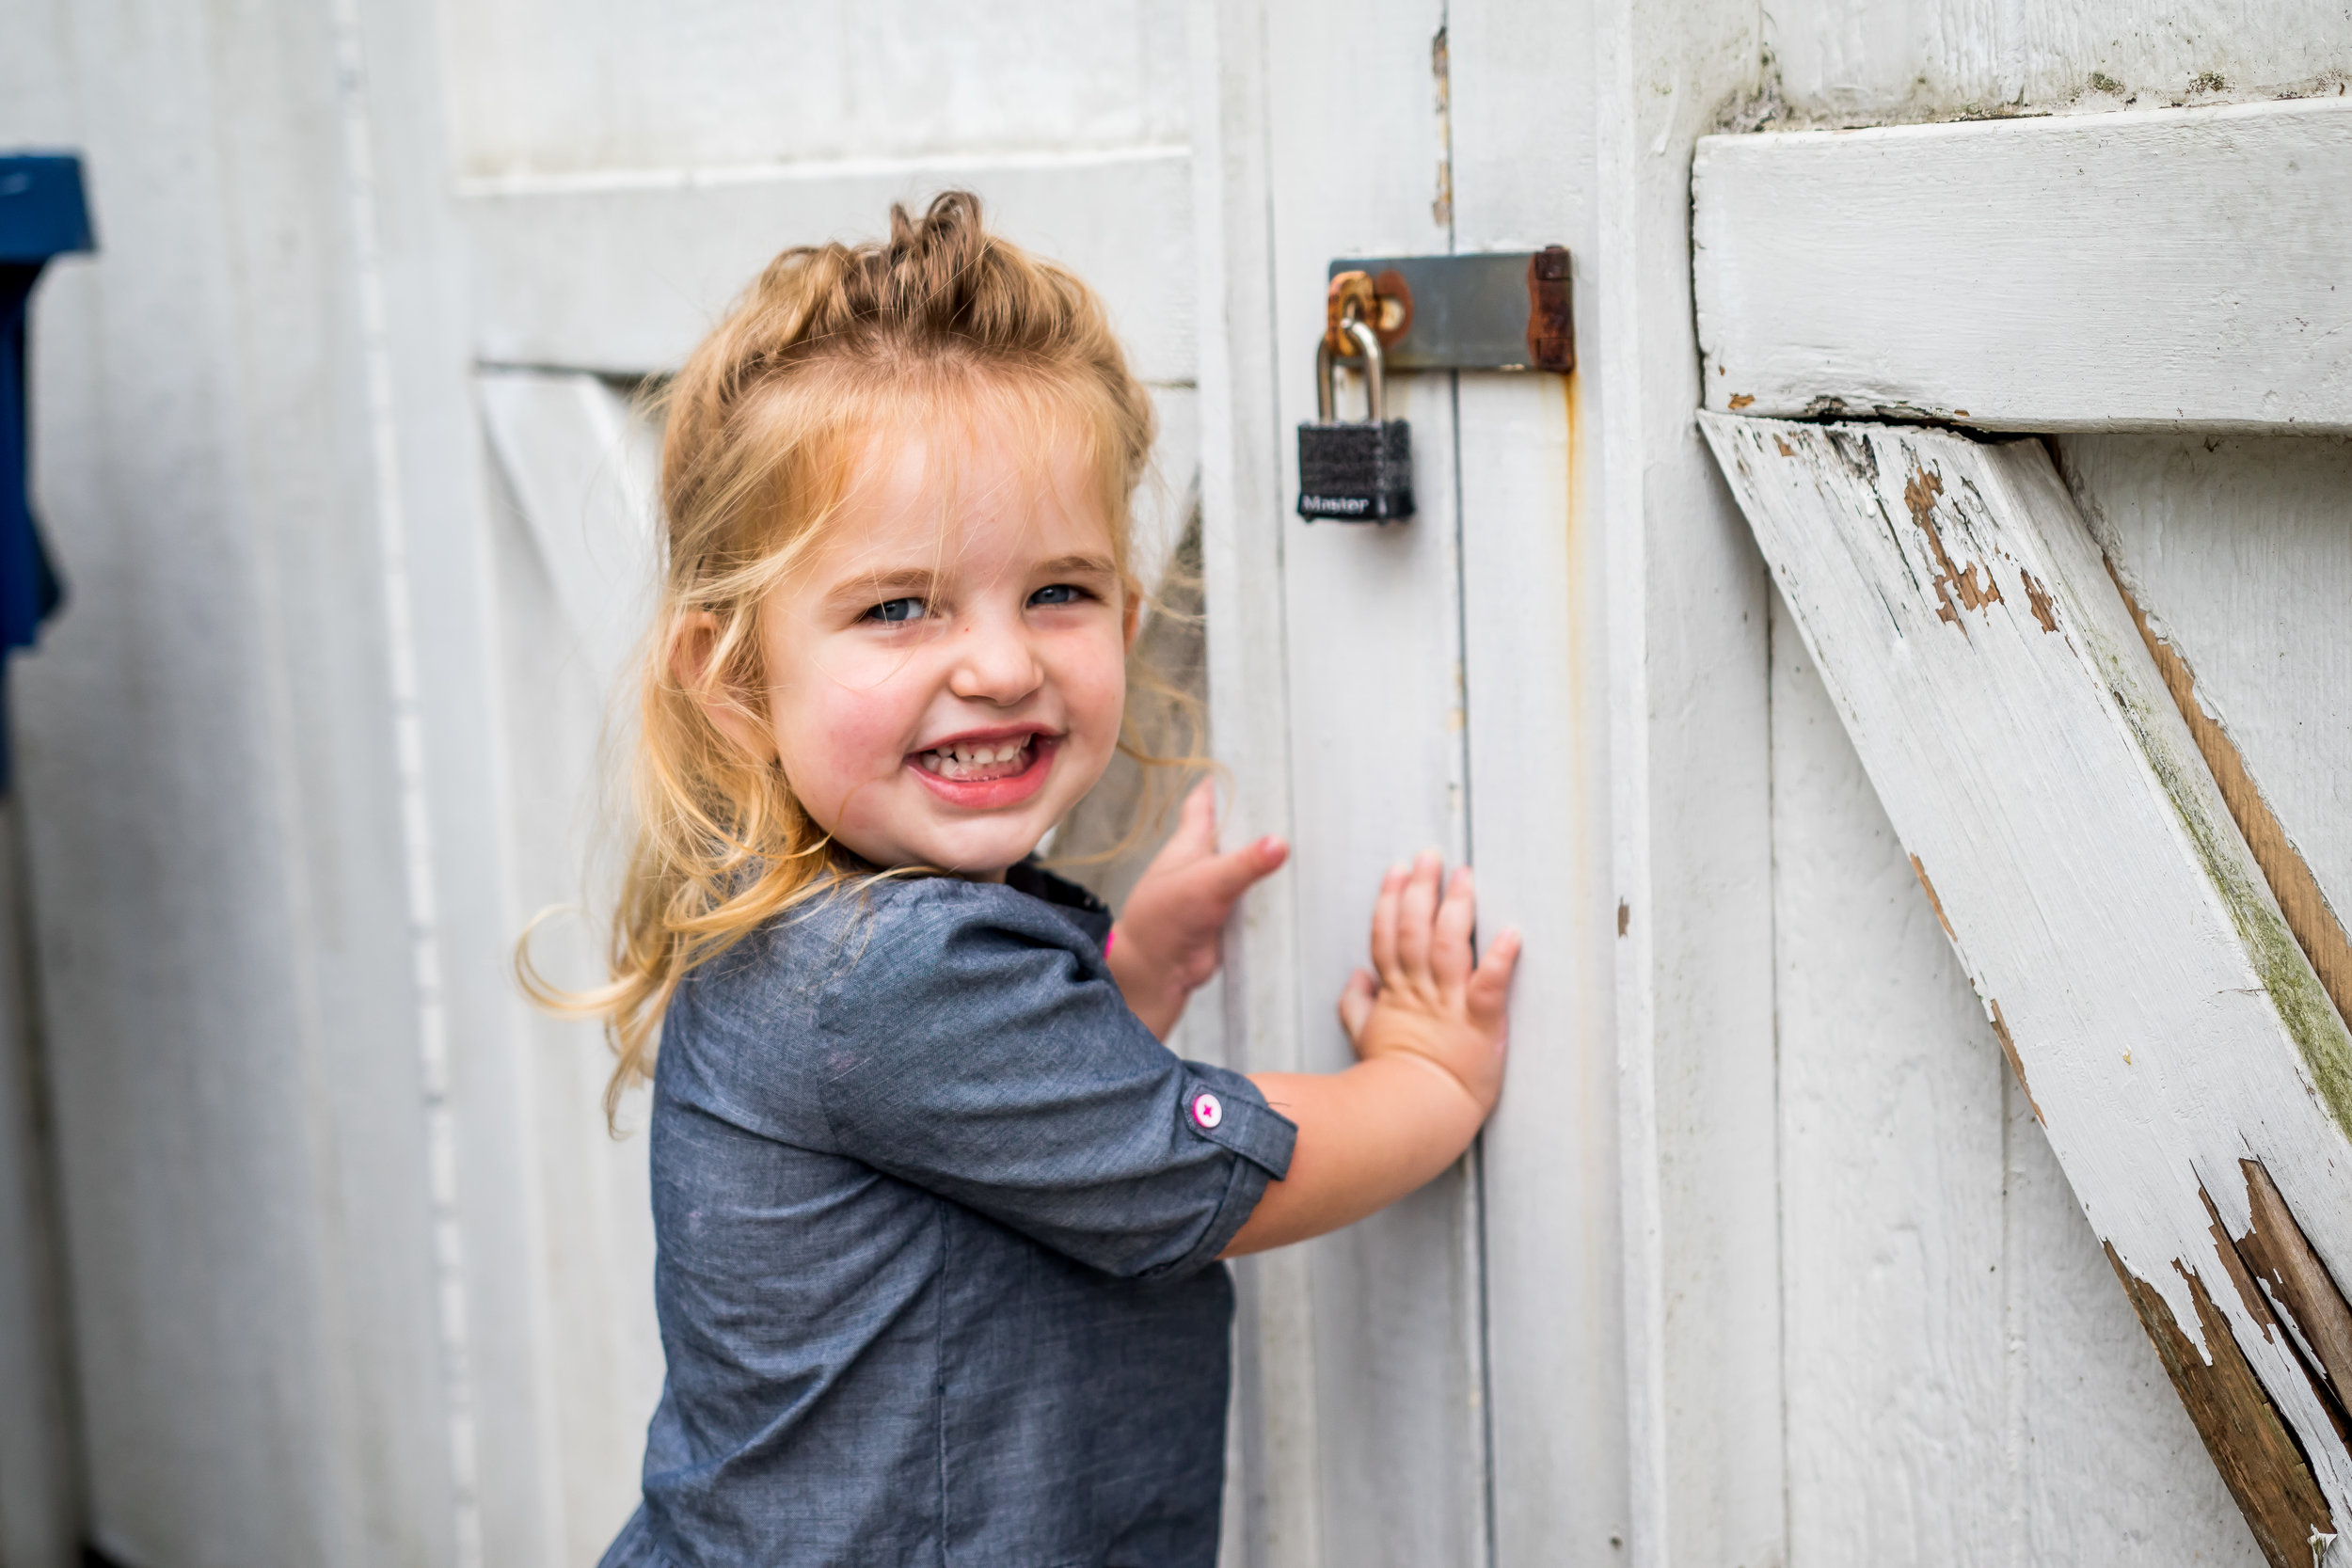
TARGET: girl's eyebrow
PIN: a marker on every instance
(879, 587)
(1077, 565)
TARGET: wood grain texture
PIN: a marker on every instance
(2301, 900)
(2109, 1470)
(1859, 62)
(2093, 272)
(1893, 1191)
(2259, 1459)
(2026, 749)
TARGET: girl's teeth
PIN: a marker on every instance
(952, 761)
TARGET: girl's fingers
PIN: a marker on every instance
(1384, 915)
(1450, 949)
(1489, 991)
(1356, 1000)
(1223, 879)
(1416, 909)
(1196, 828)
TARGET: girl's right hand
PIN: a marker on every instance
(1428, 1032)
(1431, 996)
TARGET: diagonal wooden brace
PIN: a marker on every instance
(2161, 1011)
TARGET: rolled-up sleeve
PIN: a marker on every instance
(968, 1051)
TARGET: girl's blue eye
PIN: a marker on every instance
(894, 611)
(1060, 592)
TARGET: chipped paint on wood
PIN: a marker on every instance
(2009, 1050)
(2044, 608)
(1934, 902)
(2258, 1457)
(2293, 1279)
(2133, 963)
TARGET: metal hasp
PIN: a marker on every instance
(1507, 310)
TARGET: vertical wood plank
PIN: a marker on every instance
(1273, 1508)
(1691, 822)
(1534, 614)
(1372, 646)
(1892, 1133)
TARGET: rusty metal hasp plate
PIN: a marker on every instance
(1507, 310)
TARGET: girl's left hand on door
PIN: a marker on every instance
(1165, 945)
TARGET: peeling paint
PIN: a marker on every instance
(2244, 1054)
(2259, 1457)
(1934, 903)
(2009, 1049)
(2294, 1282)
(2044, 608)
(1919, 494)
(1739, 401)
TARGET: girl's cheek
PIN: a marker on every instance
(1106, 672)
(863, 731)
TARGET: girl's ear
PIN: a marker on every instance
(694, 646)
(1133, 615)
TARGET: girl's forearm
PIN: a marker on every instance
(1366, 1137)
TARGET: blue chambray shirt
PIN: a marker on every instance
(938, 1221)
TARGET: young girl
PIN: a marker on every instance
(940, 1218)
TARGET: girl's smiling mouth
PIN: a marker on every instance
(983, 769)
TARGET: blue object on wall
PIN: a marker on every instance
(42, 214)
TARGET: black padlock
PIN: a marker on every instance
(1353, 473)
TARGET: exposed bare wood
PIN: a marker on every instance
(2258, 1458)
(2026, 748)
(2282, 1262)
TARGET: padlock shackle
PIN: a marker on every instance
(1375, 378)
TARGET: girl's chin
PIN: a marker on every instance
(982, 862)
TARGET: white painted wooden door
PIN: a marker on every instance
(1439, 1383)
(1948, 1308)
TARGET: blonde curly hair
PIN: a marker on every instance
(764, 429)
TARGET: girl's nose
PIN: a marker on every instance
(993, 663)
